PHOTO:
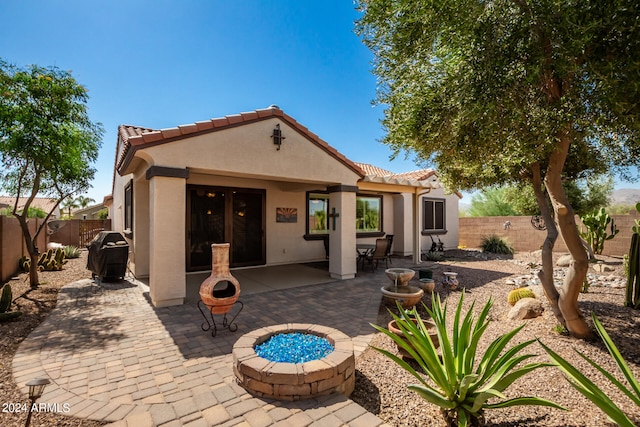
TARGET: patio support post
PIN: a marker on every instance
(342, 240)
(417, 235)
(167, 225)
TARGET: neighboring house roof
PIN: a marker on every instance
(44, 203)
(88, 209)
(135, 137)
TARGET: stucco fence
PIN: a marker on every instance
(524, 237)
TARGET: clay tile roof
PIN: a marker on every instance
(373, 170)
(419, 175)
(134, 138)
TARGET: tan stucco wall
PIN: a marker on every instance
(450, 239)
(248, 150)
(167, 282)
(285, 242)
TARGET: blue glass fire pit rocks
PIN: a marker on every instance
(294, 348)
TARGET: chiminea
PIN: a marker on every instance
(220, 290)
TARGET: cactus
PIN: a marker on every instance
(10, 315)
(52, 260)
(25, 263)
(596, 234)
(5, 299)
(519, 293)
(632, 298)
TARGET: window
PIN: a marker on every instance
(317, 213)
(368, 214)
(433, 216)
(128, 209)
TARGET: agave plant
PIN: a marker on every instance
(458, 385)
(591, 391)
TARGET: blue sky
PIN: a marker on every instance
(162, 63)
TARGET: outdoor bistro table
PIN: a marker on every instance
(364, 250)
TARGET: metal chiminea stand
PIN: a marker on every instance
(219, 292)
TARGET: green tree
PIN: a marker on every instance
(47, 141)
(69, 204)
(585, 195)
(513, 92)
(491, 202)
(84, 201)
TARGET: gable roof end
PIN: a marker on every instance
(135, 138)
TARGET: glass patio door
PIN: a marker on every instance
(219, 215)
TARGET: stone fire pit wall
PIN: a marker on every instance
(295, 381)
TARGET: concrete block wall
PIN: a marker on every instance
(524, 237)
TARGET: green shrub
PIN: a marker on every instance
(455, 383)
(591, 391)
(71, 251)
(497, 245)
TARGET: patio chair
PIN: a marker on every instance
(379, 253)
(389, 237)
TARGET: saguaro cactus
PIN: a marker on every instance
(633, 281)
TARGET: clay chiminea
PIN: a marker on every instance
(220, 299)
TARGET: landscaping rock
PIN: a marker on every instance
(526, 308)
(564, 261)
(601, 267)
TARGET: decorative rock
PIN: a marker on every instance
(601, 267)
(526, 308)
(564, 261)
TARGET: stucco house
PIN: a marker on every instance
(273, 189)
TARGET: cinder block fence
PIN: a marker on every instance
(524, 237)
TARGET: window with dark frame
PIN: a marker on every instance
(317, 213)
(128, 208)
(433, 215)
(368, 214)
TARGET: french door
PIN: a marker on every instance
(219, 215)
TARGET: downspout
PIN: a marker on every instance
(417, 259)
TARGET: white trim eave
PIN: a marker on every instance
(429, 183)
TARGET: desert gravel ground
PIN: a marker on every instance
(36, 305)
(381, 385)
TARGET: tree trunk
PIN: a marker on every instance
(546, 273)
(565, 218)
(34, 280)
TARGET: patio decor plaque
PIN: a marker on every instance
(286, 214)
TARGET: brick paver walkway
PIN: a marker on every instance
(111, 356)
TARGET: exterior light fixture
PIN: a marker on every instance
(277, 136)
(36, 388)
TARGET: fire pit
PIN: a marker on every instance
(332, 373)
(220, 291)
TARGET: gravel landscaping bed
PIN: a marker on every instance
(36, 305)
(381, 384)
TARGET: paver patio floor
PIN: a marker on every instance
(112, 356)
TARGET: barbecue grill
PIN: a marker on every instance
(108, 256)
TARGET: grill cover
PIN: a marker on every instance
(108, 255)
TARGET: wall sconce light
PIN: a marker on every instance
(36, 388)
(277, 136)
